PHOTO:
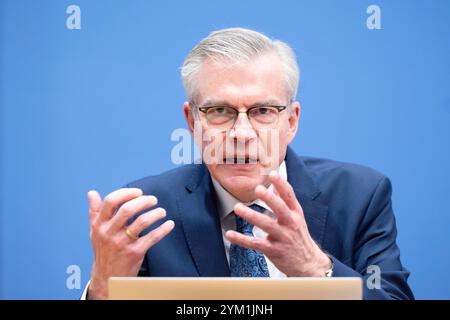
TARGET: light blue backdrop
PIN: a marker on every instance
(95, 108)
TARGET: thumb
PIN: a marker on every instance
(95, 203)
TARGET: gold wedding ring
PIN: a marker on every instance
(131, 235)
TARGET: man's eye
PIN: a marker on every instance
(219, 110)
(262, 110)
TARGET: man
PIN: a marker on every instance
(253, 207)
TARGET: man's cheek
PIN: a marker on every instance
(212, 147)
(269, 148)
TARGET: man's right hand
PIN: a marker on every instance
(116, 253)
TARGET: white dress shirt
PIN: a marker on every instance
(226, 203)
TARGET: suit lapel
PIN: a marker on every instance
(306, 191)
(201, 224)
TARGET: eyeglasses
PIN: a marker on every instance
(260, 117)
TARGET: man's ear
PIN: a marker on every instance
(189, 116)
(293, 120)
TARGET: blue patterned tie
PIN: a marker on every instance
(247, 262)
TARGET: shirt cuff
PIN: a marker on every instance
(84, 295)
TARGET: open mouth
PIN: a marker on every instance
(240, 160)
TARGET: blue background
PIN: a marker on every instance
(95, 108)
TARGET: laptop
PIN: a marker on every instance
(154, 288)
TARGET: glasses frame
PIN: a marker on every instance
(279, 108)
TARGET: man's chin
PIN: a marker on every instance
(240, 180)
(256, 172)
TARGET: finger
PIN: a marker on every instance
(285, 191)
(278, 206)
(130, 208)
(260, 244)
(260, 220)
(113, 200)
(275, 191)
(95, 204)
(145, 220)
(154, 236)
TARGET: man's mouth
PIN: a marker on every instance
(240, 160)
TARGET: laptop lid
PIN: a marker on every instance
(154, 288)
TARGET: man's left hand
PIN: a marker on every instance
(288, 244)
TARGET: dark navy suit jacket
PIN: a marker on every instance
(347, 209)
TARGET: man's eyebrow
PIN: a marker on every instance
(268, 102)
(211, 102)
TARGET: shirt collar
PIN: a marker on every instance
(226, 201)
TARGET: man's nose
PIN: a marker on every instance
(242, 129)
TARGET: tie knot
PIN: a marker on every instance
(245, 227)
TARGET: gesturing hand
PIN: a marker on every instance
(288, 244)
(118, 251)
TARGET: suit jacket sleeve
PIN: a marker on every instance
(376, 249)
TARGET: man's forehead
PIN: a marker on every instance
(259, 81)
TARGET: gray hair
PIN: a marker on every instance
(238, 45)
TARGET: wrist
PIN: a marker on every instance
(323, 266)
(97, 289)
(327, 265)
(96, 293)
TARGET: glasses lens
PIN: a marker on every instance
(219, 116)
(264, 115)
